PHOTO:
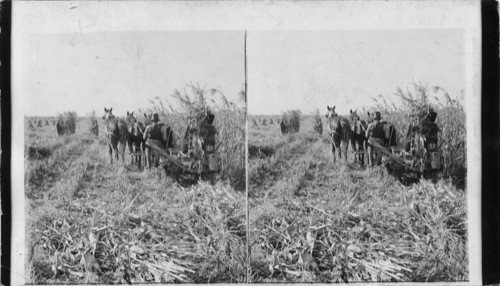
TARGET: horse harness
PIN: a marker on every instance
(138, 127)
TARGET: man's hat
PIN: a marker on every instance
(377, 115)
(156, 118)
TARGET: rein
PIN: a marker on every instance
(140, 130)
(109, 141)
(362, 126)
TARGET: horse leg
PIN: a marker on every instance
(343, 146)
(361, 151)
(374, 157)
(138, 150)
(143, 152)
(357, 155)
(137, 153)
(116, 153)
(353, 146)
(153, 160)
(333, 151)
(122, 150)
(110, 153)
(379, 158)
(148, 157)
(156, 160)
(130, 144)
(370, 156)
(133, 154)
(115, 148)
(367, 148)
(338, 146)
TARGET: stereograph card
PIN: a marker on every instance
(246, 142)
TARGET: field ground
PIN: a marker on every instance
(92, 222)
(312, 220)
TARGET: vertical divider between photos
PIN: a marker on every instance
(246, 159)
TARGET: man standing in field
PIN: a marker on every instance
(147, 137)
(375, 132)
(190, 131)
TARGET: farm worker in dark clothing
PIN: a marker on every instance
(190, 131)
(375, 132)
(147, 136)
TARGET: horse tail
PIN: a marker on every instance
(141, 127)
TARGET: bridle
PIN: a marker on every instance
(135, 123)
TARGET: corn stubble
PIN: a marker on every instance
(200, 238)
(315, 221)
(92, 222)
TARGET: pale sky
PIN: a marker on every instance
(92, 70)
(308, 70)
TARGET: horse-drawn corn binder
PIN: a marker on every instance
(198, 156)
(420, 153)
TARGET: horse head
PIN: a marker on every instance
(331, 112)
(134, 127)
(334, 120)
(131, 118)
(108, 114)
(358, 125)
(370, 117)
(354, 117)
(148, 119)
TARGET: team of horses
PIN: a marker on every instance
(130, 131)
(353, 129)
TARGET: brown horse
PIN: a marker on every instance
(136, 142)
(116, 132)
(358, 136)
(340, 132)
